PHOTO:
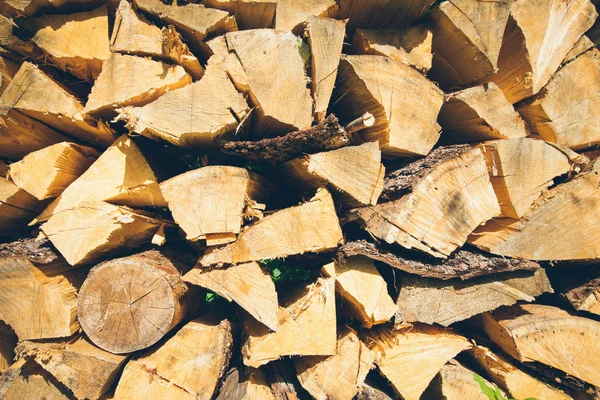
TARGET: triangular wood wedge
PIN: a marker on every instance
(249, 14)
(293, 14)
(250, 384)
(17, 207)
(457, 382)
(28, 378)
(382, 14)
(583, 44)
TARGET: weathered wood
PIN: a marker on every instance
(28, 379)
(382, 14)
(456, 382)
(249, 14)
(581, 288)
(368, 392)
(36, 250)
(250, 384)
(292, 15)
(8, 342)
(8, 69)
(283, 381)
(17, 208)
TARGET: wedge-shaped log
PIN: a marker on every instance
(17, 208)
(27, 378)
(62, 164)
(404, 124)
(364, 290)
(188, 365)
(250, 384)
(249, 14)
(8, 342)
(480, 113)
(546, 334)
(581, 288)
(292, 15)
(340, 376)
(146, 81)
(446, 302)
(445, 206)
(382, 14)
(307, 327)
(533, 48)
(411, 357)
(456, 382)
(193, 116)
(276, 235)
(355, 172)
(566, 111)
(583, 44)
(412, 46)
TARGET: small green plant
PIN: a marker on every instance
(283, 270)
(492, 393)
(211, 298)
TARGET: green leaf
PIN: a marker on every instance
(489, 392)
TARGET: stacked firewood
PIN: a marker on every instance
(292, 199)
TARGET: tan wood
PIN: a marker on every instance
(404, 125)
(292, 15)
(8, 69)
(457, 382)
(29, 379)
(382, 14)
(17, 208)
(250, 384)
(369, 392)
(277, 236)
(546, 334)
(249, 14)
(8, 342)
(583, 44)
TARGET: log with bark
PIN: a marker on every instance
(581, 288)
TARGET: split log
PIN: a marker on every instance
(382, 14)
(63, 164)
(8, 69)
(453, 199)
(368, 392)
(410, 358)
(456, 382)
(130, 303)
(355, 172)
(566, 110)
(39, 301)
(533, 48)
(581, 288)
(358, 282)
(37, 250)
(446, 302)
(17, 208)
(276, 235)
(283, 380)
(133, 34)
(146, 81)
(404, 125)
(83, 368)
(467, 39)
(583, 45)
(250, 384)
(188, 365)
(340, 376)
(307, 327)
(192, 116)
(4, 168)
(411, 46)
(249, 14)
(26, 379)
(30, 8)
(292, 15)
(9, 41)
(480, 113)
(515, 382)
(8, 342)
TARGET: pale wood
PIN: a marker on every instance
(411, 357)
(412, 45)
(46, 173)
(249, 14)
(30, 8)
(566, 111)
(382, 14)
(456, 382)
(480, 113)
(247, 284)
(251, 384)
(17, 207)
(307, 326)
(28, 380)
(8, 69)
(8, 342)
(546, 334)
(365, 292)
(583, 44)
(293, 14)
(146, 81)
(340, 376)
(310, 227)
(404, 124)
(355, 172)
(188, 365)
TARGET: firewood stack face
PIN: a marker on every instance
(299, 199)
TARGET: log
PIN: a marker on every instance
(27, 378)
(368, 392)
(146, 81)
(446, 302)
(249, 14)
(583, 44)
(188, 365)
(533, 48)
(467, 39)
(382, 14)
(8, 69)
(293, 15)
(37, 250)
(363, 290)
(250, 384)
(404, 125)
(410, 358)
(456, 382)
(130, 303)
(565, 112)
(30, 8)
(17, 208)
(283, 380)
(480, 113)
(581, 288)
(8, 342)
(411, 46)
(307, 326)
(355, 172)
(338, 377)
(63, 164)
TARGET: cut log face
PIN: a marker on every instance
(307, 327)
(146, 81)
(539, 235)
(8, 342)
(276, 235)
(404, 125)
(188, 365)
(411, 46)
(63, 163)
(467, 40)
(340, 376)
(516, 383)
(480, 113)
(411, 358)
(533, 48)
(566, 111)
(249, 14)
(193, 116)
(39, 302)
(454, 198)
(446, 302)
(248, 385)
(382, 14)
(356, 172)
(456, 382)
(27, 378)
(359, 283)
(293, 14)
(535, 332)
(17, 207)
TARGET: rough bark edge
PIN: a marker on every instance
(38, 251)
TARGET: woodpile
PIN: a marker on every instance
(299, 199)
